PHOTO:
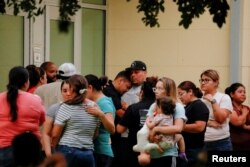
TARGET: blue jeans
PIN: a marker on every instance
(219, 145)
(6, 157)
(77, 157)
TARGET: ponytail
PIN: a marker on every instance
(18, 76)
(95, 82)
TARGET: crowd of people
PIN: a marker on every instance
(53, 116)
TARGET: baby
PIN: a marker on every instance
(163, 116)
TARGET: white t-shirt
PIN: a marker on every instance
(213, 134)
(132, 95)
(50, 93)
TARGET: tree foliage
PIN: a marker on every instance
(27, 6)
(32, 8)
(67, 8)
(189, 10)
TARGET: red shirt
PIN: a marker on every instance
(240, 137)
(30, 115)
(32, 90)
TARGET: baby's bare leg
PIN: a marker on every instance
(181, 144)
(180, 141)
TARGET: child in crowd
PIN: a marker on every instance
(163, 116)
(27, 150)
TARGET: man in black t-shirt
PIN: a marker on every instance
(115, 89)
(131, 119)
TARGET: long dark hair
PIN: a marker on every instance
(97, 83)
(188, 85)
(147, 87)
(78, 84)
(232, 88)
(18, 76)
(34, 75)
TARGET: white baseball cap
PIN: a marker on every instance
(67, 70)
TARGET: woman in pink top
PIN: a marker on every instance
(20, 111)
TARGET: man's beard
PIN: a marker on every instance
(49, 80)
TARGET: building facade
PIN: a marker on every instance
(104, 37)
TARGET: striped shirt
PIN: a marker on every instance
(79, 126)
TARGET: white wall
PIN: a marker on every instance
(245, 33)
(169, 50)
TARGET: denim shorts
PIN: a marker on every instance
(219, 145)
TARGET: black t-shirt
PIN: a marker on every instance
(195, 111)
(131, 119)
(110, 91)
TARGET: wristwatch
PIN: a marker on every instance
(213, 101)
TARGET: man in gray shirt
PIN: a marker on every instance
(51, 93)
(138, 76)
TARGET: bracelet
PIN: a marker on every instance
(213, 101)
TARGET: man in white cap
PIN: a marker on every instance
(51, 93)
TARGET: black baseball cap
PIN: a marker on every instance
(138, 65)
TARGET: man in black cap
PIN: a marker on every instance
(138, 74)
